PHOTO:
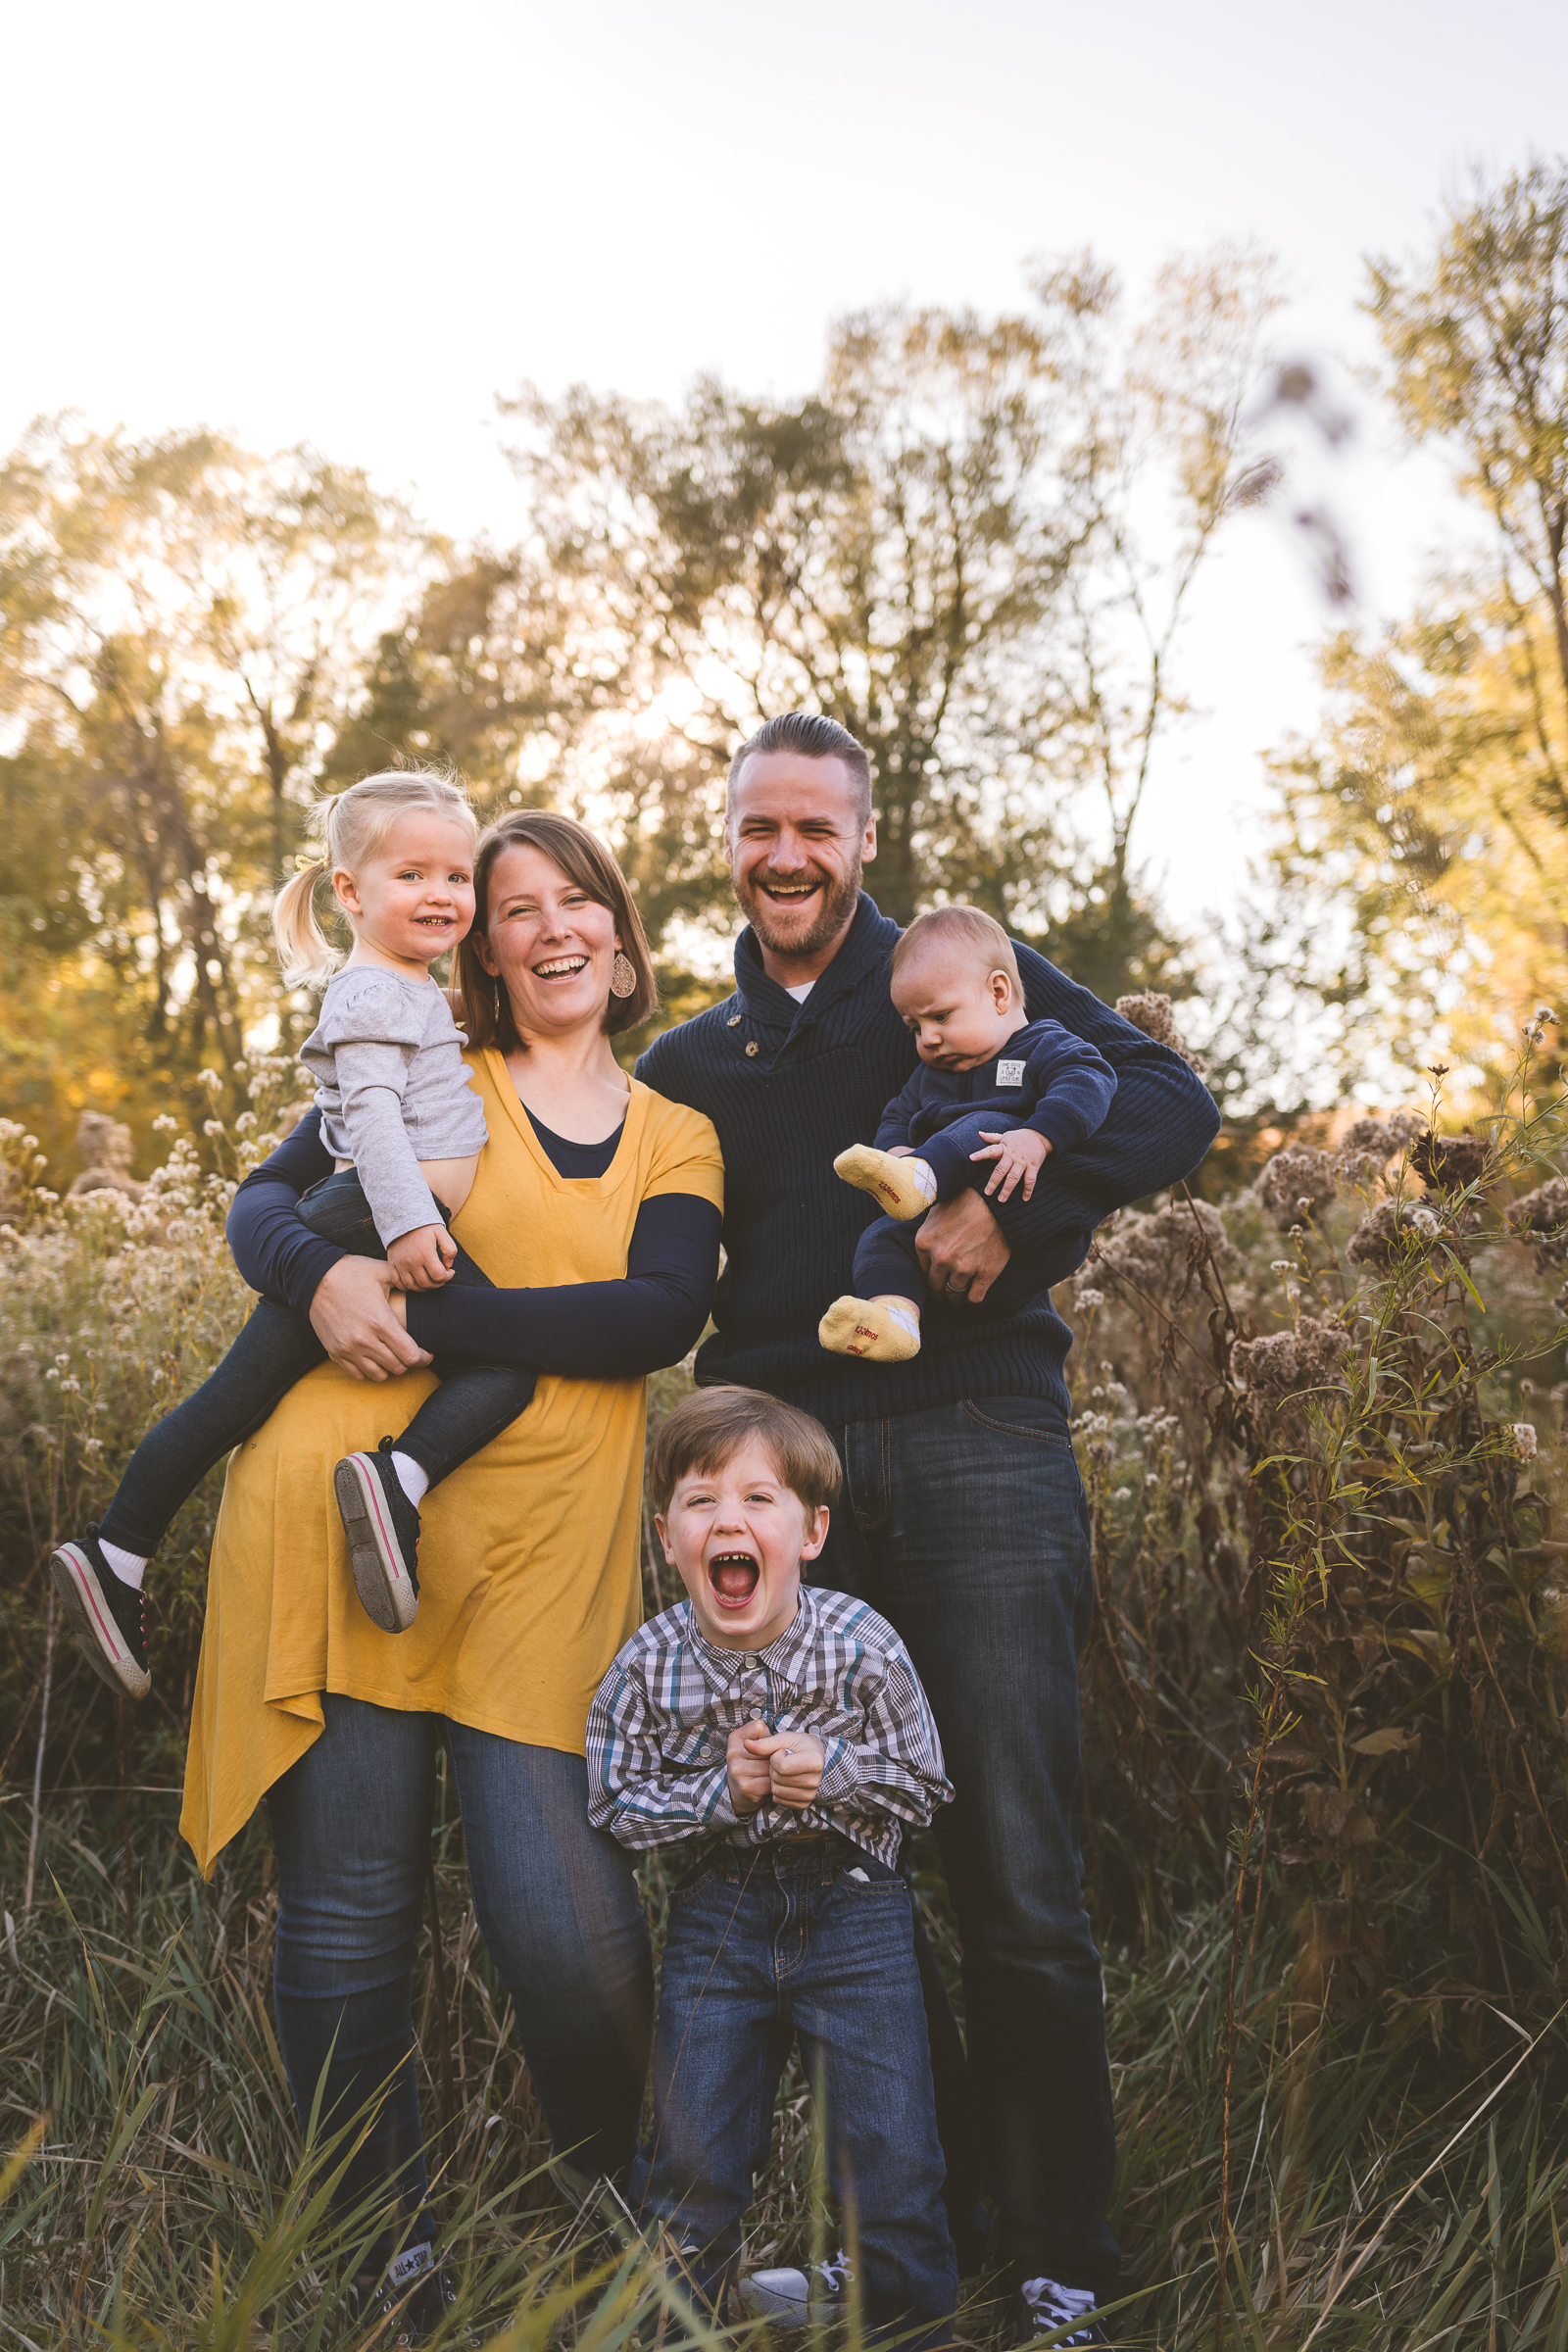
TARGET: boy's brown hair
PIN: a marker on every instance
(707, 1430)
(970, 925)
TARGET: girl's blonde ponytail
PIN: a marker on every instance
(304, 949)
(350, 826)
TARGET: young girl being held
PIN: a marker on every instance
(407, 1129)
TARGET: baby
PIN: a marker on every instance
(992, 1086)
(407, 1129)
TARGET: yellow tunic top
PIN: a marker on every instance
(528, 1553)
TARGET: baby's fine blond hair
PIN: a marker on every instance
(348, 827)
(966, 927)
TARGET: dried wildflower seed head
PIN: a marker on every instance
(1449, 1162)
(1523, 1434)
(1156, 1252)
(1284, 1364)
(1394, 1231)
(1151, 1013)
(1298, 1184)
(1540, 1218)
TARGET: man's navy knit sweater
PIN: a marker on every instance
(788, 1086)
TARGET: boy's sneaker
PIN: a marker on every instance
(103, 1614)
(382, 1527)
(811, 2299)
(1044, 2307)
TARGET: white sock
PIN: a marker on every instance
(130, 1566)
(411, 1478)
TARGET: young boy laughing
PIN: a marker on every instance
(779, 1733)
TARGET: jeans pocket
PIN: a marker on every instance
(1020, 1417)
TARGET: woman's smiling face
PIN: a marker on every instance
(551, 946)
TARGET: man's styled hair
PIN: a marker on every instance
(813, 738)
(966, 927)
(707, 1429)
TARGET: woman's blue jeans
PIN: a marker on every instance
(558, 1908)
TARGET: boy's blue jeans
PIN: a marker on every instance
(965, 1525)
(766, 1943)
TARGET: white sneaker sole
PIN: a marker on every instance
(763, 2295)
(92, 1620)
(375, 1557)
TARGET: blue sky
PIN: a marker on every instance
(354, 224)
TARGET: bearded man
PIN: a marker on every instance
(963, 1519)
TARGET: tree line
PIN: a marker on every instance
(975, 543)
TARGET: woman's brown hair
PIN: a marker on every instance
(585, 861)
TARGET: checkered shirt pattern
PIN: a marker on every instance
(664, 1713)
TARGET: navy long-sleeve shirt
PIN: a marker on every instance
(788, 1086)
(579, 1330)
(1043, 1076)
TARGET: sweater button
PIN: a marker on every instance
(751, 1048)
(734, 1021)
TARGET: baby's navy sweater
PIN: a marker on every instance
(1053, 1081)
(788, 1086)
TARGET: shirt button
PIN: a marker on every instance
(751, 1048)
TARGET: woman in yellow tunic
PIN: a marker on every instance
(604, 1200)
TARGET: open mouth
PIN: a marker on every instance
(789, 894)
(560, 967)
(733, 1577)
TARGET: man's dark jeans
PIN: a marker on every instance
(276, 1348)
(558, 1908)
(965, 1525)
(766, 1943)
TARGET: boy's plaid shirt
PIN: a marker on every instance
(658, 1725)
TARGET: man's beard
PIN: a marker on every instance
(833, 915)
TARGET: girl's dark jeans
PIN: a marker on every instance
(276, 1348)
(557, 1905)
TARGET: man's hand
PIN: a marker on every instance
(795, 1762)
(355, 1319)
(961, 1247)
(750, 1781)
(1020, 1153)
(424, 1259)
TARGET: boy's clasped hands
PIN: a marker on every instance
(784, 1766)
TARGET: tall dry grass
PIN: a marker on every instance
(1321, 1432)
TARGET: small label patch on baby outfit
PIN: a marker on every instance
(1010, 1073)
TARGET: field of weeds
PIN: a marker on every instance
(1322, 1429)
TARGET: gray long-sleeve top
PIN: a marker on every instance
(392, 1089)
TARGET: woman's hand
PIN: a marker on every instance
(354, 1316)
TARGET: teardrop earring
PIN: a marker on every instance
(622, 975)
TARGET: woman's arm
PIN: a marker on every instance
(591, 1330)
(276, 1252)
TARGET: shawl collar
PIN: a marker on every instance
(866, 946)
